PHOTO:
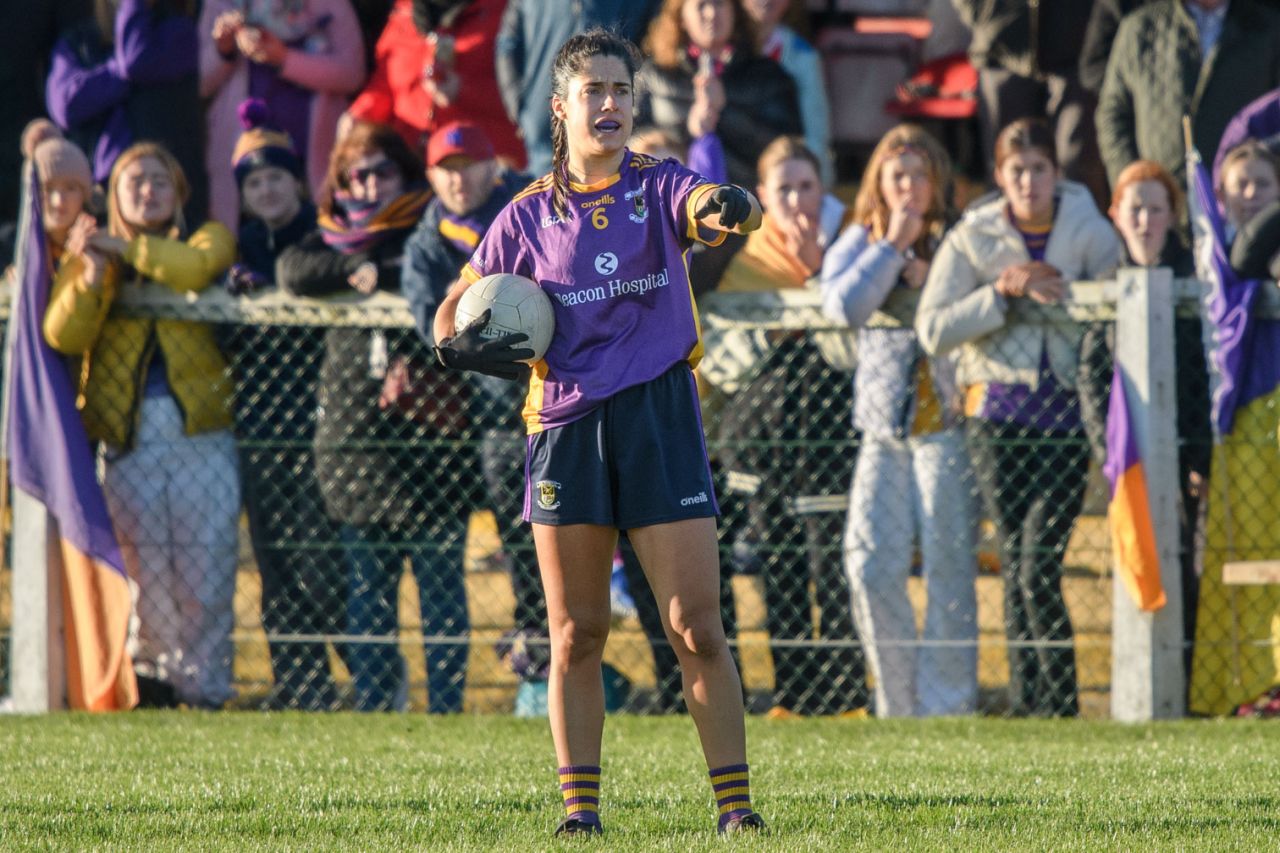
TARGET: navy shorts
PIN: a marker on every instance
(638, 459)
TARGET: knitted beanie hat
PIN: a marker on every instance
(261, 144)
(56, 158)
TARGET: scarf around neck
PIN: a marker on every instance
(355, 227)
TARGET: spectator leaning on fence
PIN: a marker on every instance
(295, 545)
(127, 74)
(773, 405)
(994, 292)
(1145, 207)
(531, 33)
(1206, 58)
(155, 393)
(912, 478)
(303, 58)
(471, 187)
(380, 476)
(1235, 667)
(433, 65)
(707, 84)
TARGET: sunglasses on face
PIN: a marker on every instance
(382, 170)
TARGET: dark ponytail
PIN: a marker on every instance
(571, 60)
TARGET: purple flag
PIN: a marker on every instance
(50, 456)
(1245, 357)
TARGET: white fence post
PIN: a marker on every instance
(1147, 677)
(36, 664)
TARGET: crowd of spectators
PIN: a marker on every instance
(358, 146)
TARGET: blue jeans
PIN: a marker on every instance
(375, 557)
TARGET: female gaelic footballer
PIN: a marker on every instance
(615, 436)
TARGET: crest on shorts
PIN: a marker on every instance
(547, 494)
(640, 210)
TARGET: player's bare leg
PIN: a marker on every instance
(682, 562)
(574, 561)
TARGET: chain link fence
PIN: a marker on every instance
(379, 562)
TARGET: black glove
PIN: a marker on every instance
(241, 280)
(470, 350)
(732, 203)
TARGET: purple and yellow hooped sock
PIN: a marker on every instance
(580, 787)
(733, 792)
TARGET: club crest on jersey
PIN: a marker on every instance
(547, 494)
(639, 208)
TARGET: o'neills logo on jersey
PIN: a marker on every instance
(699, 498)
(613, 289)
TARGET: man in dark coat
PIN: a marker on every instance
(1027, 56)
(1203, 58)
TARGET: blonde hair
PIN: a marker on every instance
(870, 209)
(139, 151)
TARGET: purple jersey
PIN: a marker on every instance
(616, 273)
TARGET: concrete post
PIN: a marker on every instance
(37, 664)
(1147, 677)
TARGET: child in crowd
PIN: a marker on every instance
(155, 395)
(912, 478)
(993, 292)
(297, 549)
(66, 184)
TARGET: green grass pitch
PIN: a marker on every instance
(233, 781)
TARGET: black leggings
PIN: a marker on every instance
(1032, 484)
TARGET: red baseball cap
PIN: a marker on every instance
(459, 138)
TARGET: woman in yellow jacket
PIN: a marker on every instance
(155, 394)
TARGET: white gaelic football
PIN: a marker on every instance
(518, 305)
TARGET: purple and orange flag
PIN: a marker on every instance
(1133, 536)
(51, 459)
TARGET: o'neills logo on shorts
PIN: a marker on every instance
(699, 498)
(613, 289)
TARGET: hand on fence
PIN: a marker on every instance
(365, 278)
(470, 350)
(241, 280)
(1035, 280)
